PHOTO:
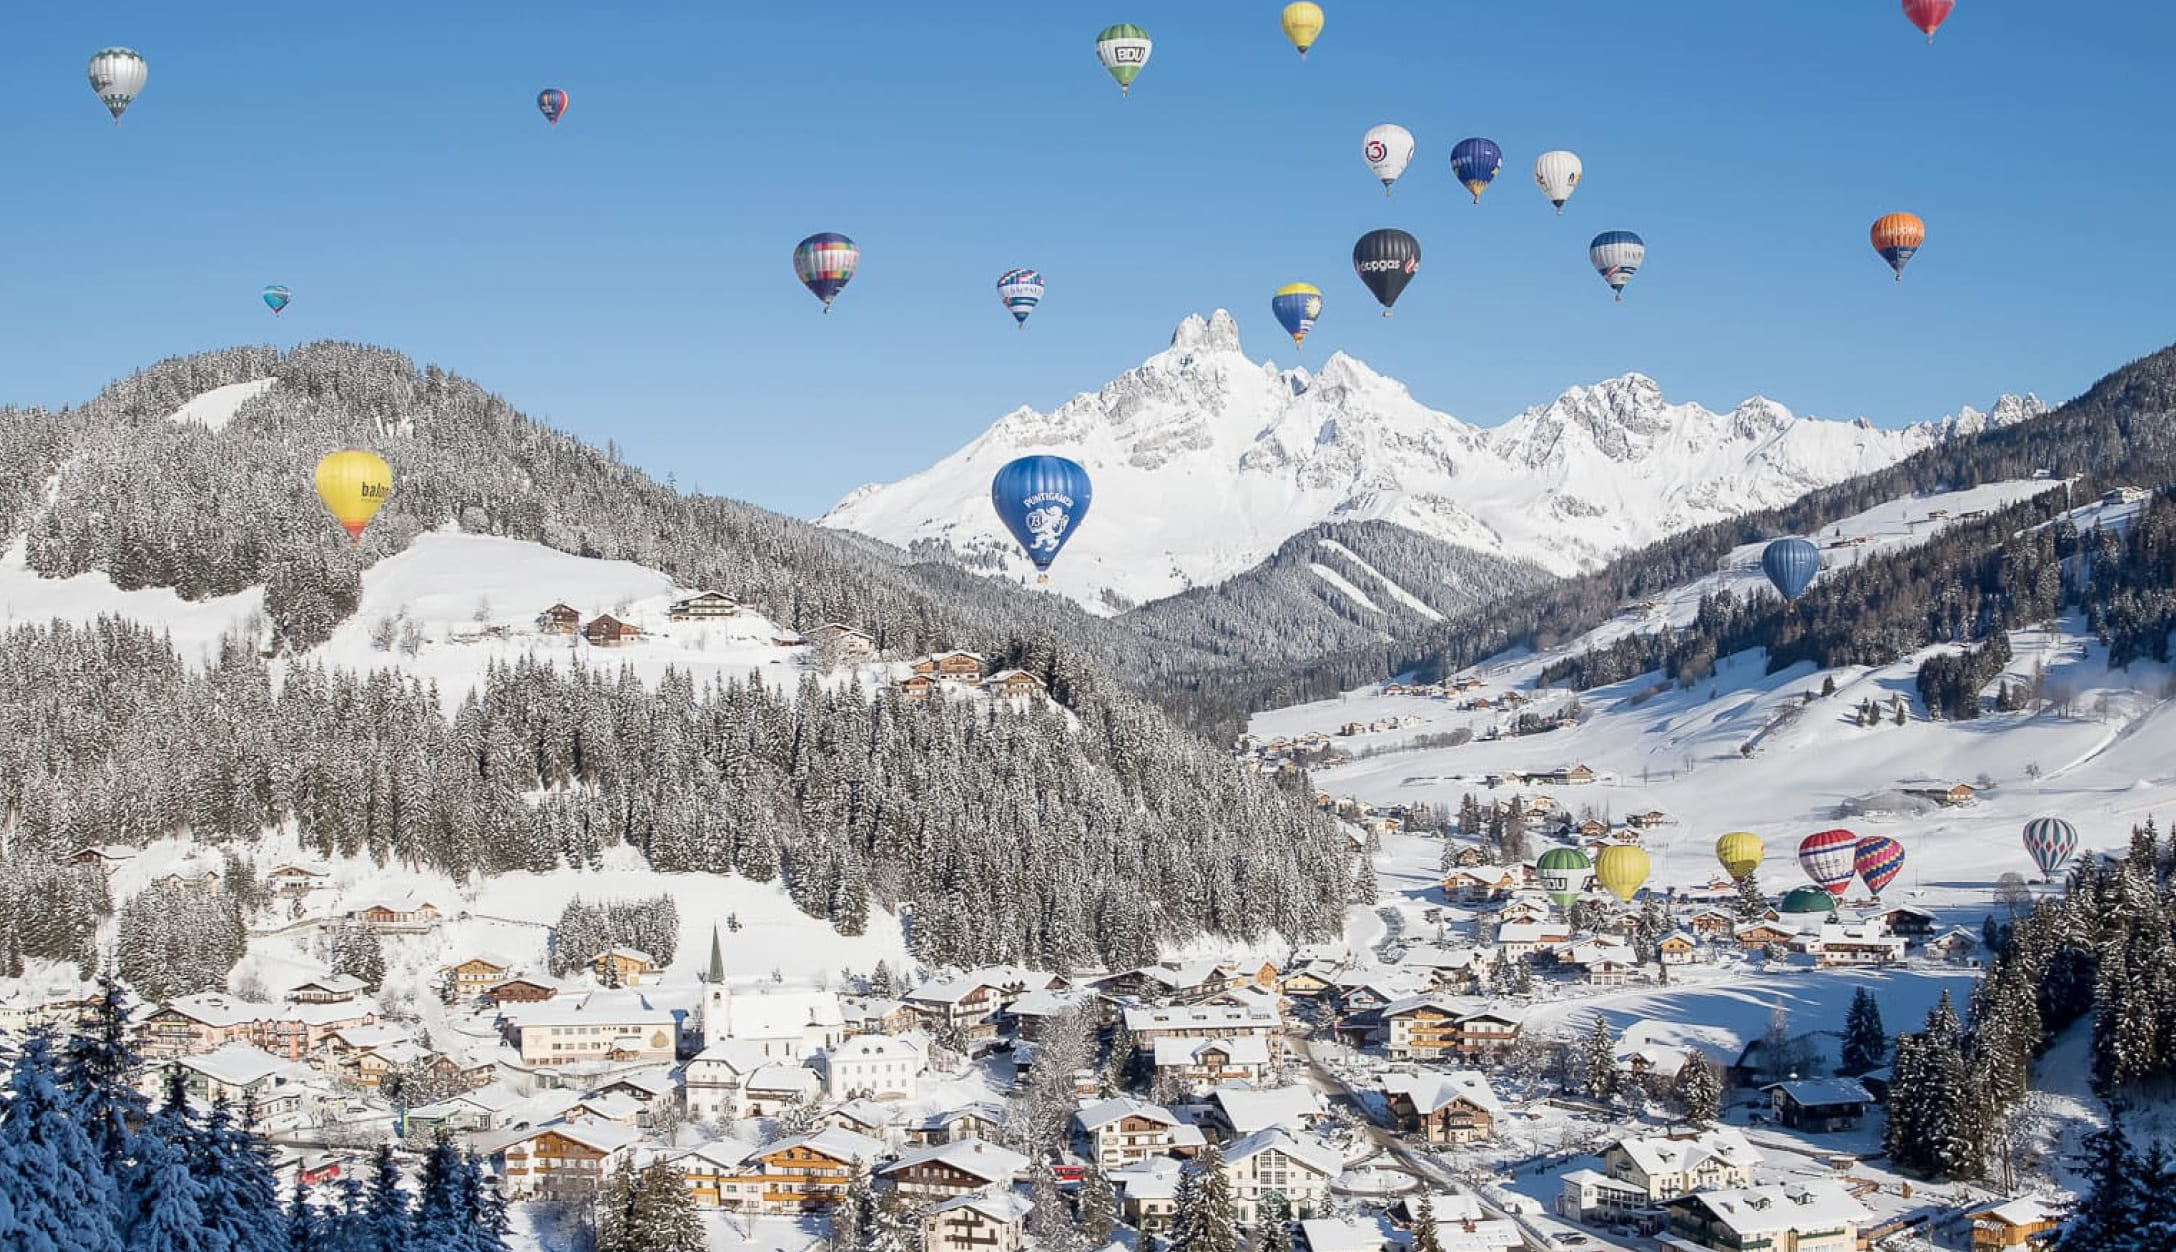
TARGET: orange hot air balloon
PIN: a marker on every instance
(1897, 237)
(354, 486)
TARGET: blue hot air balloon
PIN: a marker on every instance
(1791, 564)
(1041, 500)
(1475, 164)
(276, 298)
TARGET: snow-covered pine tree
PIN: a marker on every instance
(54, 1185)
(850, 1215)
(1098, 1207)
(1598, 1077)
(617, 1228)
(1866, 1043)
(1273, 1224)
(1204, 1218)
(2107, 1219)
(664, 1211)
(1425, 1236)
(1699, 1089)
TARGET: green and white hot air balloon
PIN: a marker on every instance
(1123, 49)
(117, 75)
(1565, 874)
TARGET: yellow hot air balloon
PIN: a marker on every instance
(354, 486)
(1302, 24)
(1621, 869)
(1740, 851)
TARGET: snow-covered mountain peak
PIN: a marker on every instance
(1206, 461)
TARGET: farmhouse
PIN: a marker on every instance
(959, 667)
(1813, 1217)
(1126, 1131)
(1661, 1166)
(610, 632)
(563, 1160)
(947, 1171)
(1457, 1107)
(559, 620)
(977, 1223)
(1819, 1104)
(704, 606)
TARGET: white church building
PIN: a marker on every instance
(787, 1022)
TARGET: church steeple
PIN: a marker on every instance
(715, 975)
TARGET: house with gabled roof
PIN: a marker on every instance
(1297, 1167)
(563, 1160)
(977, 1223)
(1443, 1107)
(703, 606)
(802, 1173)
(1662, 1166)
(947, 1171)
(1125, 1131)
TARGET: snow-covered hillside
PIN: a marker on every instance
(1748, 750)
(1205, 460)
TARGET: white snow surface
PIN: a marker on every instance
(195, 626)
(215, 408)
(1205, 460)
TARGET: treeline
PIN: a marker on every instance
(2103, 951)
(88, 1164)
(1055, 834)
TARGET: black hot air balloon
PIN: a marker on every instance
(1385, 260)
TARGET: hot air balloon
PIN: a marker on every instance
(1021, 290)
(1827, 858)
(1806, 904)
(1897, 238)
(1123, 49)
(117, 75)
(1041, 500)
(1475, 163)
(1791, 565)
(2051, 841)
(826, 263)
(1557, 174)
(552, 103)
(1565, 874)
(276, 298)
(1385, 260)
(1296, 305)
(1388, 149)
(1740, 852)
(354, 486)
(1617, 256)
(1302, 25)
(1928, 15)
(1622, 870)
(1878, 859)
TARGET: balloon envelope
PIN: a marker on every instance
(1021, 290)
(1475, 163)
(1829, 859)
(1897, 237)
(1386, 261)
(1041, 500)
(276, 298)
(1878, 860)
(1565, 874)
(2050, 841)
(1123, 49)
(1928, 15)
(552, 103)
(117, 75)
(1302, 24)
(1622, 870)
(1807, 903)
(1791, 565)
(1296, 306)
(1617, 255)
(825, 263)
(1388, 149)
(1740, 852)
(354, 485)
(1557, 174)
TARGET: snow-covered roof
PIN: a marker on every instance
(1433, 1090)
(563, 1011)
(783, 1078)
(1156, 1178)
(335, 984)
(1041, 1003)
(1310, 1153)
(874, 1114)
(371, 1038)
(236, 1064)
(612, 1107)
(590, 1133)
(842, 1145)
(1244, 1050)
(1346, 1234)
(2024, 1211)
(741, 1056)
(875, 1048)
(1816, 1091)
(214, 1009)
(1218, 1017)
(978, 1157)
(1248, 1110)
(1662, 1154)
(1005, 1208)
(1752, 1211)
(1093, 1117)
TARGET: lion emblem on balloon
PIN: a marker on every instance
(1047, 525)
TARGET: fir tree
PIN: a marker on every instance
(1752, 904)
(1866, 1043)
(2108, 1218)
(385, 1210)
(887, 1228)
(55, 1192)
(664, 1212)
(1596, 1066)
(1425, 1235)
(302, 1228)
(617, 1229)
(850, 1215)
(97, 1074)
(1273, 1225)
(1699, 1089)
(1203, 1217)
(1098, 1207)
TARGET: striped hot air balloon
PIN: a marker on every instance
(1791, 564)
(2051, 841)
(1565, 874)
(825, 263)
(1296, 306)
(1021, 290)
(1828, 857)
(1878, 859)
(1617, 256)
(1123, 49)
(117, 75)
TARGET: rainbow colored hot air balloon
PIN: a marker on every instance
(1622, 870)
(1296, 306)
(1740, 852)
(825, 263)
(1897, 237)
(1928, 15)
(552, 103)
(2050, 841)
(1565, 874)
(1878, 859)
(1828, 859)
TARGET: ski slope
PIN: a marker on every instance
(217, 407)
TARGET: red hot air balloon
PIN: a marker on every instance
(1830, 860)
(1928, 15)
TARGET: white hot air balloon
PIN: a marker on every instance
(117, 75)
(1557, 173)
(1388, 149)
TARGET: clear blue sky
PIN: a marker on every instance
(628, 276)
